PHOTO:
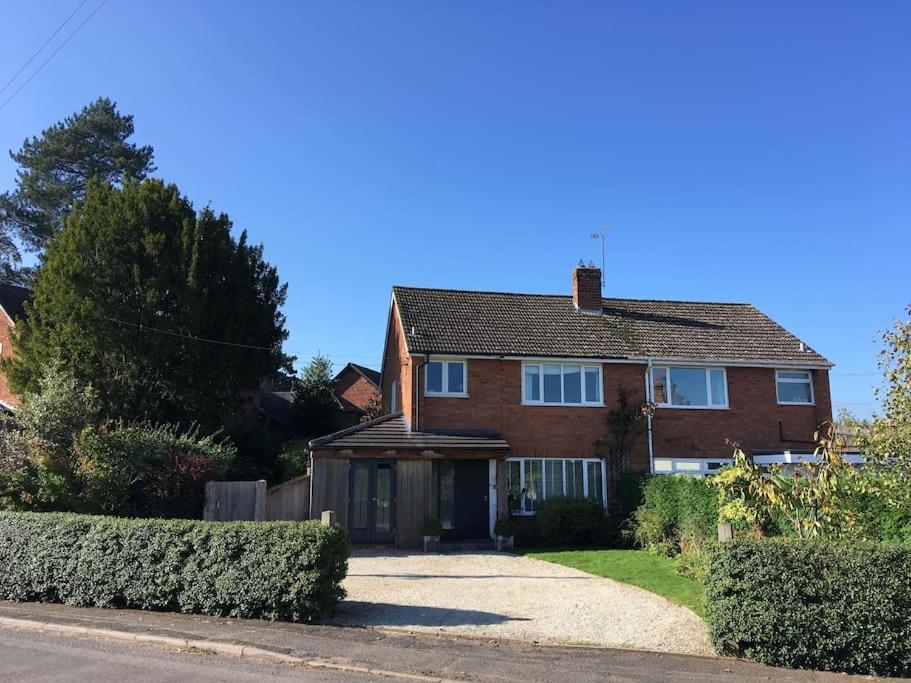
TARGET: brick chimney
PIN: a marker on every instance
(587, 288)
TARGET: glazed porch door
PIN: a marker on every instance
(371, 501)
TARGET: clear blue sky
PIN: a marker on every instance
(753, 152)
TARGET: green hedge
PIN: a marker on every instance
(675, 509)
(272, 570)
(834, 606)
(571, 521)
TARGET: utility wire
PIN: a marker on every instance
(59, 47)
(38, 51)
(143, 328)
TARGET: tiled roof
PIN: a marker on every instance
(12, 299)
(369, 373)
(495, 323)
(392, 432)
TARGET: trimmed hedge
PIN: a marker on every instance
(842, 606)
(571, 521)
(272, 570)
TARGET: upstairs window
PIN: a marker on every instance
(561, 384)
(794, 387)
(683, 387)
(445, 378)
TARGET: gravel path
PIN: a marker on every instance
(504, 596)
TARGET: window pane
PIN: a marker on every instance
(804, 376)
(514, 484)
(447, 494)
(552, 384)
(575, 484)
(592, 385)
(456, 377)
(383, 497)
(719, 392)
(360, 474)
(572, 384)
(794, 392)
(688, 387)
(435, 377)
(594, 481)
(534, 485)
(659, 385)
(532, 382)
(553, 477)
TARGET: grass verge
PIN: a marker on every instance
(635, 567)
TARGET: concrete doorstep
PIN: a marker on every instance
(387, 653)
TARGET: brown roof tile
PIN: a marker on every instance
(495, 323)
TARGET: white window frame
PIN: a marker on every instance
(582, 367)
(708, 386)
(394, 396)
(693, 467)
(809, 381)
(522, 512)
(445, 362)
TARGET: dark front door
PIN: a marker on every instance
(463, 492)
(371, 501)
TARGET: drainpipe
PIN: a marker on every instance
(648, 416)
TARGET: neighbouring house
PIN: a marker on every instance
(494, 402)
(356, 386)
(12, 304)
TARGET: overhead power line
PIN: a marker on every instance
(38, 51)
(52, 55)
(142, 328)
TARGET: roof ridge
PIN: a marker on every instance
(569, 296)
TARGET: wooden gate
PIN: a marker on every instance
(289, 500)
(250, 500)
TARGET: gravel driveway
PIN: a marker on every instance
(505, 596)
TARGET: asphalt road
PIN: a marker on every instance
(30, 656)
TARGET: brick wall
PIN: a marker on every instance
(6, 328)
(397, 365)
(494, 402)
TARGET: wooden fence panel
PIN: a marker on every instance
(289, 500)
(234, 500)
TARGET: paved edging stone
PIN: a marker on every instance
(214, 646)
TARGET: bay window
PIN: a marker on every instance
(530, 481)
(794, 387)
(687, 387)
(561, 384)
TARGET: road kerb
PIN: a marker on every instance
(214, 646)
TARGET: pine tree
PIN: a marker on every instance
(54, 170)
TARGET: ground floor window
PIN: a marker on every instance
(533, 480)
(697, 467)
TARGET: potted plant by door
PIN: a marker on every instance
(503, 529)
(432, 530)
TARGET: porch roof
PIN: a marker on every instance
(393, 432)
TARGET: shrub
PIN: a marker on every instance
(629, 490)
(571, 521)
(812, 604)
(270, 570)
(504, 527)
(675, 510)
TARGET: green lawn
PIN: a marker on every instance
(635, 567)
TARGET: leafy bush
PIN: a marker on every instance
(675, 510)
(504, 527)
(812, 604)
(571, 521)
(56, 455)
(629, 490)
(271, 570)
(146, 470)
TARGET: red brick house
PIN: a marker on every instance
(356, 386)
(12, 308)
(495, 401)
